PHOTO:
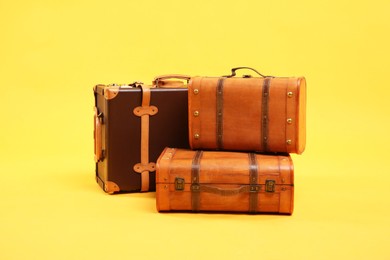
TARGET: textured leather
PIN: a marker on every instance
(258, 114)
(224, 181)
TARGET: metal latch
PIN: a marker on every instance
(270, 185)
(179, 183)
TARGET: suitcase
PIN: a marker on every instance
(263, 114)
(221, 181)
(132, 126)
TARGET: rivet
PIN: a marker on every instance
(196, 113)
(288, 141)
(196, 91)
(196, 136)
(289, 94)
(289, 120)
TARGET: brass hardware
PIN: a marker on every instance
(179, 183)
(254, 188)
(289, 94)
(195, 187)
(196, 113)
(196, 91)
(289, 120)
(196, 136)
(288, 141)
(270, 185)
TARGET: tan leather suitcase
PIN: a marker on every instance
(188, 180)
(264, 114)
(133, 124)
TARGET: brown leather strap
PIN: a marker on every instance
(264, 116)
(220, 114)
(254, 188)
(195, 187)
(145, 111)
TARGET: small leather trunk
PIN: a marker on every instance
(263, 114)
(117, 133)
(218, 181)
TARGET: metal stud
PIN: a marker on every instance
(196, 113)
(288, 141)
(196, 91)
(196, 136)
(289, 120)
(289, 94)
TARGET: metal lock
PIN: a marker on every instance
(179, 183)
(270, 185)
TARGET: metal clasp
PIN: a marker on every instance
(254, 188)
(179, 184)
(270, 185)
(195, 187)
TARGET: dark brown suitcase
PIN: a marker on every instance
(190, 180)
(264, 114)
(133, 125)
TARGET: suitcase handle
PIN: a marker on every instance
(165, 81)
(97, 135)
(247, 68)
(225, 192)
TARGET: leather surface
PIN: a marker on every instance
(225, 181)
(244, 123)
(121, 133)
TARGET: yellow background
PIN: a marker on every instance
(53, 52)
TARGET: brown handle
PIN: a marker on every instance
(97, 136)
(224, 192)
(167, 81)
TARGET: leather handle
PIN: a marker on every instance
(240, 68)
(97, 136)
(225, 192)
(166, 81)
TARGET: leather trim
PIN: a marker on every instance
(195, 170)
(144, 168)
(151, 167)
(150, 110)
(111, 187)
(219, 115)
(111, 92)
(264, 116)
(253, 179)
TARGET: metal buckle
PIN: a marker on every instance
(270, 185)
(195, 187)
(254, 188)
(179, 184)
